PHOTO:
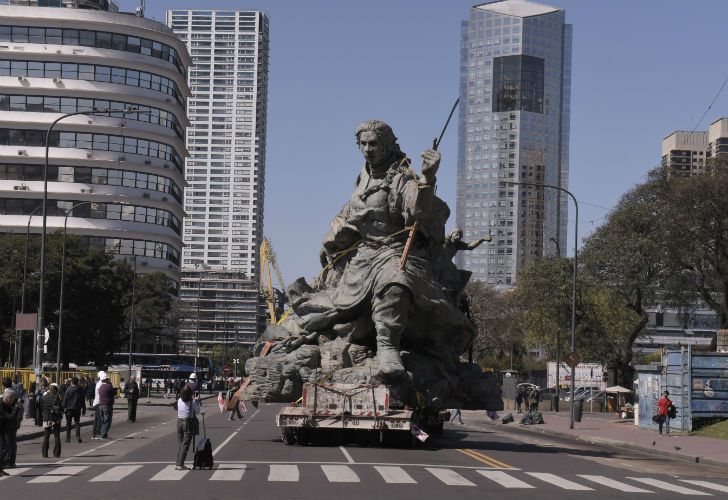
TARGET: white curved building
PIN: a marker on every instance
(62, 60)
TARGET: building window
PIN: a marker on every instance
(518, 84)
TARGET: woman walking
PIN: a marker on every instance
(51, 407)
(663, 415)
(188, 407)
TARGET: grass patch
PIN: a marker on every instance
(717, 430)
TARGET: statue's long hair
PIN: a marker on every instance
(383, 131)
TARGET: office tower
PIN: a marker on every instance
(223, 228)
(717, 149)
(515, 75)
(127, 170)
(683, 153)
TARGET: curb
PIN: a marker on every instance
(611, 443)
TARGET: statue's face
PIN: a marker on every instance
(374, 150)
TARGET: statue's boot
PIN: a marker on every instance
(389, 360)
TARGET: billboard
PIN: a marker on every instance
(587, 374)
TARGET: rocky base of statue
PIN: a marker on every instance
(428, 382)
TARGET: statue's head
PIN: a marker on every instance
(456, 234)
(377, 142)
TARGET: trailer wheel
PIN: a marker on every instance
(288, 435)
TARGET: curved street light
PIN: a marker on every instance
(573, 285)
(37, 344)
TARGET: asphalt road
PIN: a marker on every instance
(466, 461)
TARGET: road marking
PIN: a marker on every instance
(394, 475)
(617, 485)
(559, 481)
(504, 479)
(340, 474)
(231, 436)
(169, 474)
(706, 484)
(283, 473)
(346, 454)
(449, 477)
(667, 486)
(59, 474)
(116, 473)
(492, 462)
(228, 472)
(15, 472)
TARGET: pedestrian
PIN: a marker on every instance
(8, 420)
(11, 431)
(233, 404)
(41, 390)
(663, 415)
(90, 391)
(192, 383)
(51, 406)
(106, 405)
(132, 396)
(188, 407)
(73, 404)
(519, 400)
(456, 414)
(96, 432)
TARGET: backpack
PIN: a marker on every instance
(671, 411)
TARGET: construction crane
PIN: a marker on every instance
(275, 297)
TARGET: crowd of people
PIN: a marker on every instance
(46, 404)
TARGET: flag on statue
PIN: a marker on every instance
(419, 433)
(242, 406)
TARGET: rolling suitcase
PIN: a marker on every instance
(203, 452)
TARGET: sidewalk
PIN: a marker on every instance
(28, 430)
(603, 428)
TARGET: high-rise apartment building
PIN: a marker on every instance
(226, 139)
(683, 153)
(120, 178)
(223, 228)
(515, 77)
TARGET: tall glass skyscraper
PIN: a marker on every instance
(515, 77)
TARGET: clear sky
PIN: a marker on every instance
(641, 69)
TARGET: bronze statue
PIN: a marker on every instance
(364, 311)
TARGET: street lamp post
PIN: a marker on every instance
(41, 294)
(131, 322)
(573, 285)
(60, 305)
(18, 334)
(558, 342)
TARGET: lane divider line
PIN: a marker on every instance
(492, 462)
(231, 436)
(346, 454)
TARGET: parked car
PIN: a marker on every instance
(578, 392)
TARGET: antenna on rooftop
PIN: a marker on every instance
(140, 9)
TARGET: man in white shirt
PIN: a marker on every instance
(97, 413)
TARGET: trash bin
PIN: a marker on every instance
(578, 409)
(554, 403)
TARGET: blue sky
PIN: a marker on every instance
(641, 69)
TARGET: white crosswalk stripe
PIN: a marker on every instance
(283, 473)
(15, 472)
(449, 477)
(169, 474)
(559, 481)
(228, 472)
(59, 474)
(340, 474)
(504, 479)
(674, 488)
(611, 483)
(116, 473)
(394, 475)
(706, 484)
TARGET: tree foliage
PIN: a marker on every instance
(97, 298)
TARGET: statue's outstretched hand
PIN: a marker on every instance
(430, 164)
(324, 257)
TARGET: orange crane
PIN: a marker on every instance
(268, 261)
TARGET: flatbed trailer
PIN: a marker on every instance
(358, 412)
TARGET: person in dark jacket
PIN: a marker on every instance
(9, 409)
(39, 392)
(11, 432)
(73, 403)
(51, 406)
(131, 392)
(106, 406)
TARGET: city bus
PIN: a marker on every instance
(161, 367)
